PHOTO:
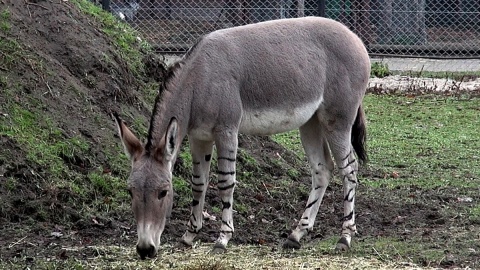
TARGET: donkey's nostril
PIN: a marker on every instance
(146, 251)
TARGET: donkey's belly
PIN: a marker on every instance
(276, 120)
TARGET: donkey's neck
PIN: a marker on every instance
(173, 101)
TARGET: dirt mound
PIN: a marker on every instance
(59, 71)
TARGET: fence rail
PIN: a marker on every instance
(415, 28)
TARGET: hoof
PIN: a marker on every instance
(218, 249)
(291, 244)
(182, 245)
(342, 245)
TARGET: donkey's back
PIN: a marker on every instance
(277, 74)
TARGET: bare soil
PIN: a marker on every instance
(72, 47)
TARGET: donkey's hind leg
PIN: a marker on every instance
(347, 164)
(318, 153)
(201, 156)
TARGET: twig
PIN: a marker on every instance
(34, 4)
(379, 255)
(16, 243)
(29, 12)
(49, 89)
(268, 192)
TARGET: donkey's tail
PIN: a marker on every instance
(359, 136)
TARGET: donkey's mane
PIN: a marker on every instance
(169, 74)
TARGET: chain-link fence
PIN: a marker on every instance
(415, 28)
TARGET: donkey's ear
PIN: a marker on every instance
(132, 146)
(171, 139)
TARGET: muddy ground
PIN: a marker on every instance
(77, 89)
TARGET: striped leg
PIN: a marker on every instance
(318, 153)
(201, 156)
(348, 166)
(226, 151)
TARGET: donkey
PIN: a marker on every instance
(265, 78)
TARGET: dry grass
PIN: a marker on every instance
(238, 257)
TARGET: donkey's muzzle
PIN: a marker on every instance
(148, 251)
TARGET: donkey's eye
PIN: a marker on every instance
(162, 194)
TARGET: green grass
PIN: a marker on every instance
(126, 39)
(379, 70)
(45, 143)
(52, 151)
(291, 141)
(5, 24)
(182, 189)
(424, 141)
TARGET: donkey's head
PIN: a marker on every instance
(150, 184)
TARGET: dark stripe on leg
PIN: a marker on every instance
(347, 197)
(227, 187)
(228, 225)
(348, 217)
(226, 205)
(354, 181)
(197, 190)
(349, 153)
(348, 164)
(196, 176)
(227, 158)
(196, 184)
(226, 173)
(312, 203)
(220, 181)
(195, 202)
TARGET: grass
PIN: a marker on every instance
(5, 25)
(44, 143)
(379, 70)
(425, 141)
(291, 141)
(125, 39)
(238, 257)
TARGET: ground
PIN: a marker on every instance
(65, 67)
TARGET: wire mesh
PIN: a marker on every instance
(441, 29)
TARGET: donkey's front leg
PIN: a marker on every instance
(226, 143)
(201, 156)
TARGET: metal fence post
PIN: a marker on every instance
(321, 8)
(106, 5)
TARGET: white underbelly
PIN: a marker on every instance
(273, 121)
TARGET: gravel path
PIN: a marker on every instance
(411, 84)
